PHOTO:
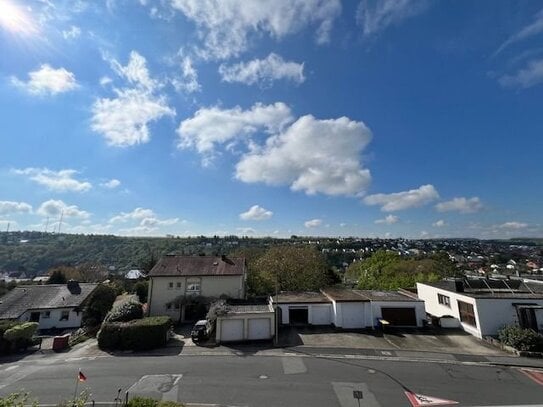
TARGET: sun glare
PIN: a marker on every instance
(13, 18)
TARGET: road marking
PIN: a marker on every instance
(386, 353)
(161, 386)
(293, 365)
(535, 375)
(344, 394)
(7, 369)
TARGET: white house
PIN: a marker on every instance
(51, 305)
(175, 280)
(350, 309)
(482, 306)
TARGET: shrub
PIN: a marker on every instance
(520, 338)
(125, 311)
(5, 345)
(139, 334)
(16, 400)
(99, 304)
(20, 336)
(141, 288)
(148, 402)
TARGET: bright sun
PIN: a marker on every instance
(14, 19)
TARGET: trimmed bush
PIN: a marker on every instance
(20, 336)
(148, 402)
(139, 334)
(520, 338)
(125, 311)
(5, 345)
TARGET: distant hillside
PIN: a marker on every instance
(36, 252)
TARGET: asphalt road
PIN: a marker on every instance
(269, 380)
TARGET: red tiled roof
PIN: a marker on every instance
(172, 265)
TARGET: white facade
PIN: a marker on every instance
(62, 318)
(419, 307)
(491, 314)
(317, 314)
(245, 326)
(165, 289)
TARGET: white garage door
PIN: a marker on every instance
(320, 315)
(259, 328)
(231, 330)
(353, 315)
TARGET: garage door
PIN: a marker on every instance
(320, 315)
(231, 330)
(400, 316)
(259, 328)
(353, 315)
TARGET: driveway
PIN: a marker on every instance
(429, 340)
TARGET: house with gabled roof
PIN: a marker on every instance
(179, 285)
(52, 306)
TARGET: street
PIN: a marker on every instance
(250, 380)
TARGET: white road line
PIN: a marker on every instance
(7, 369)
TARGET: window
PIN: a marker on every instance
(168, 306)
(467, 315)
(193, 286)
(178, 286)
(176, 305)
(170, 285)
(64, 315)
(46, 314)
(444, 300)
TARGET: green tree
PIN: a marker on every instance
(57, 277)
(141, 288)
(99, 304)
(292, 268)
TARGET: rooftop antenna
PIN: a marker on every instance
(46, 225)
(7, 230)
(60, 221)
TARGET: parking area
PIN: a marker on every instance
(429, 340)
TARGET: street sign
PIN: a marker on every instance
(357, 394)
(420, 400)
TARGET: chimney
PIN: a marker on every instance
(459, 286)
(73, 286)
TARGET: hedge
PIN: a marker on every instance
(520, 338)
(5, 345)
(148, 402)
(139, 334)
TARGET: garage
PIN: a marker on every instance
(231, 330)
(321, 314)
(353, 316)
(245, 322)
(400, 316)
(298, 315)
(259, 328)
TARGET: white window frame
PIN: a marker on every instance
(46, 314)
(64, 313)
(191, 284)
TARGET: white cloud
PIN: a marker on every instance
(311, 155)
(513, 225)
(135, 72)
(256, 212)
(342, 224)
(138, 214)
(47, 81)
(536, 27)
(246, 231)
(188, 82)
(71, 34)
(154, 222)
(123, 121)
(61, 181)
(10, 207)
(403, 200)
(389, 220)
(211, 126)
(226, 26)
(57, 207)
(377, 16)
(439, 224)
(313, 223)
(111, 184)
(263, 71)
(105, 80)
(530, 75)
(462, 205)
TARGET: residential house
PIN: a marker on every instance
(179, 284)
(482, 306)
(51, 305)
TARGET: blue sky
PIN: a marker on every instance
(274, 117)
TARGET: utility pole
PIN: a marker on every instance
(60, 221)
